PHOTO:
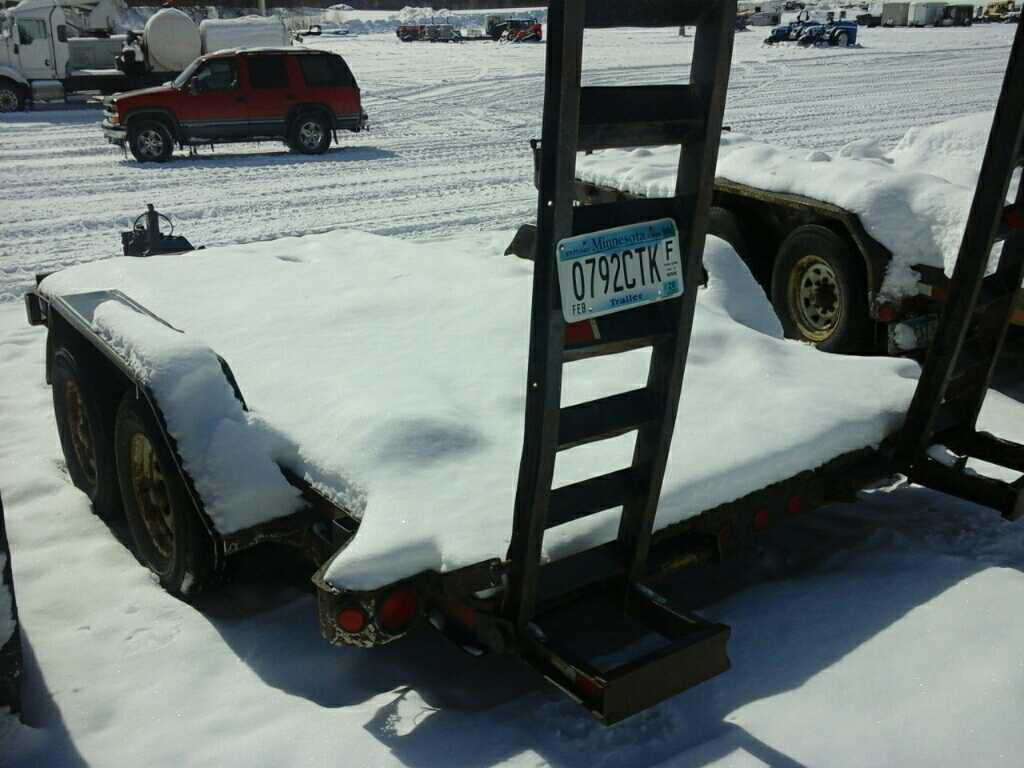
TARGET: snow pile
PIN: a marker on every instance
(398, 371)
(913, 200)
(243, 32)
(229, 453)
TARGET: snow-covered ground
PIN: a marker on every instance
(905, 649)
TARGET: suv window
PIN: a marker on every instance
(267, 72)
(218, 75)
(30, 30)
(320, 71)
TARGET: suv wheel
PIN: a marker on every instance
(310, 134)
(150, 141)
(12, 97)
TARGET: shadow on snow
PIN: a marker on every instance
(270, 157)
(799, 602)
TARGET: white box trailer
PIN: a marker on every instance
(927, 14)
(895, 14)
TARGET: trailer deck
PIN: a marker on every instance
(390, 375)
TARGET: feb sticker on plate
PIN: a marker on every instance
(621, 268)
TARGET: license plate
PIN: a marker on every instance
(621, 268)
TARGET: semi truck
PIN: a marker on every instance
(51, 48)
(386, 448)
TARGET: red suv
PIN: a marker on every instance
(302, 96)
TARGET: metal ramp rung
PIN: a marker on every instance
(590, 496)
(638, 116)
(612, 334)
(646, 13)
(594, 218)
(605, 418)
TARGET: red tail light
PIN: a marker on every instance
(351, 619)
(396, 612)
(795, 505)
(886, 313)
(761, 519)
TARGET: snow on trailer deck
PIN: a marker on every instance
(913, 199)
(392, 376)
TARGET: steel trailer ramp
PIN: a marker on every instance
(619, 654)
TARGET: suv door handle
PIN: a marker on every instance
(240, 99)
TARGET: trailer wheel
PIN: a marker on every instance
(150, 141)
(87, 450)
(169, 537)
(12, 97)
(310, 134)
(819, 290)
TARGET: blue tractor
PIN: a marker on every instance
(806, 31)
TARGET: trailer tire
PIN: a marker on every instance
(819, 290)
(150, 141)
(170, 538)
(12, 96)
(310, 134)
(88, 450)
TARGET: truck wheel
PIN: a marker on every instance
(819, 290)
(12, 97)
(150, 141)
(310, 135)
(169, 537)
(87, 450)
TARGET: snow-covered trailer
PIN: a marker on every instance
(854, 248)
(385, 385)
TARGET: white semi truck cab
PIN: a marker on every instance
(49, 48)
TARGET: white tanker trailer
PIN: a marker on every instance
(50, 48)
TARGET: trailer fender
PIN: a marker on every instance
(9, 73)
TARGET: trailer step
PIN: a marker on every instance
(619, 656)
(973, 327)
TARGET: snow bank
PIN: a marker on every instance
(243, 32)
(398, 372)
(228, 452)
(914, 199)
